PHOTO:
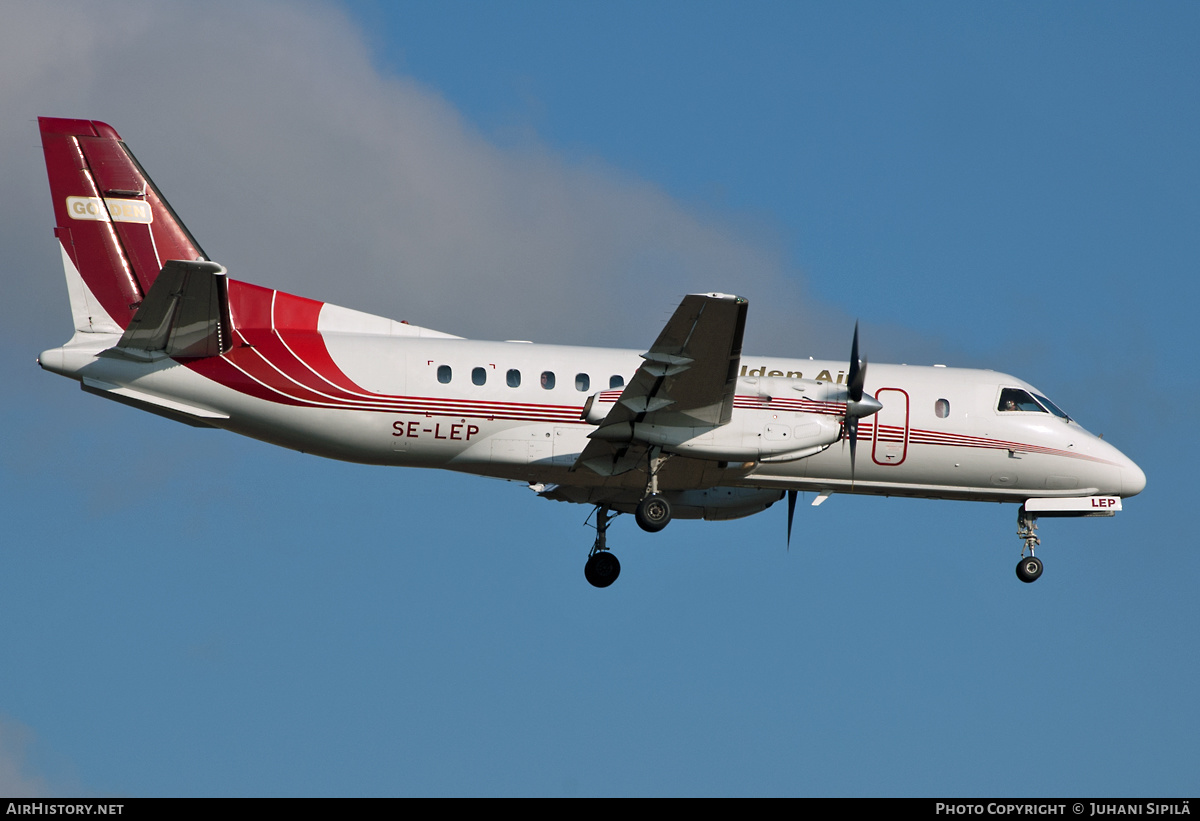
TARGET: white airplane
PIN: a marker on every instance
(690, 428)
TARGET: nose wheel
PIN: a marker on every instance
(1029, 569)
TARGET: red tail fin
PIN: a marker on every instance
(114, 225)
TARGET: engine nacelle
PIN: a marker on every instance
(751, 438)
(783, 387)
(596, 407)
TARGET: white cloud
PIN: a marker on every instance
(15, 777)
(300, 166)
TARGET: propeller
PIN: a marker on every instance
(858, 402)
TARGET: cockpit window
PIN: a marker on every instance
(1015, 399)
(1053, 408)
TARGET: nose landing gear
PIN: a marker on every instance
(1029, 569)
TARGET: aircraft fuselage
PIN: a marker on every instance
(513, 410)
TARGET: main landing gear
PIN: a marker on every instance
(654, 511)
(1029, 569)
(602, 567)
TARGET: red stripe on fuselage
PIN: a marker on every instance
(281, 357)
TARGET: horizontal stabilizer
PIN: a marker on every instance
(185, 313)
(193, 415)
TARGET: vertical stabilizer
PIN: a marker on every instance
(115, 228)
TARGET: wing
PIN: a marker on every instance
(687, 379)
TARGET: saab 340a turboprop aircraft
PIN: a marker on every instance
(690, 428)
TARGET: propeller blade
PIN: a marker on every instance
(856, 406)
(852, 431)
(857, 375)
(791, 513)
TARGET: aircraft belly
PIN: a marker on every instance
(332, 433)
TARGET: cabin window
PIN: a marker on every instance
(514, 378)
(1015, 399)
(941, 408)
(478, 376)
(582, 381)
(615, 382)
(444, 374)
(548, 380)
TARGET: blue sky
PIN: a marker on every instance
(1009, 186)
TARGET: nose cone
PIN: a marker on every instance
(1133, 480)
(1116, 474)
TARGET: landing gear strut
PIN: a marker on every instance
(602, 567)
(654, 511)
(1029, 568)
